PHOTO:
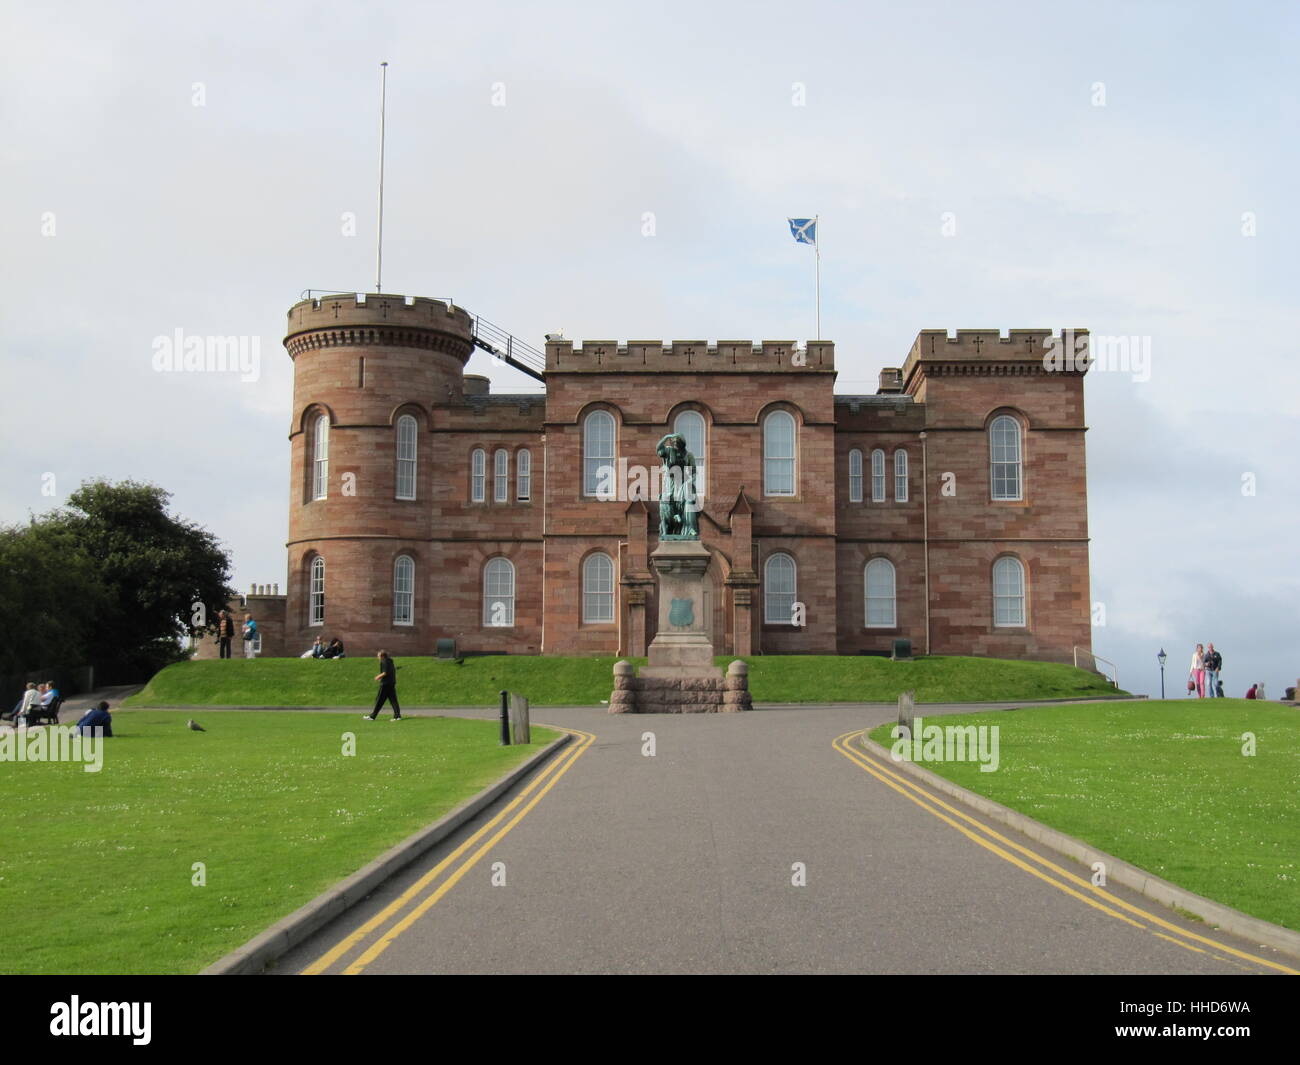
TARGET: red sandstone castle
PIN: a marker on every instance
(949, 508)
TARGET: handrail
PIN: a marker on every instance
(1114, 678)
(510, 349)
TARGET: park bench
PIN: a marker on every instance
(38, 713)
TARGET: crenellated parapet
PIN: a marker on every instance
(695, 356)
(379, 320)
(987, 351)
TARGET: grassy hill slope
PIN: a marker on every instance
(557, 681)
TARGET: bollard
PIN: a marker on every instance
(907, 710)
(505, 719)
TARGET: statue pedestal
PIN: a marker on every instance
(682, 647)
(681, 677)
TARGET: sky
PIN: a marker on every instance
(625, 172)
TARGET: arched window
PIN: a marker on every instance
(406, 435)
(1009, 593)
(878, 590)
(477, 475)
(499, 593)
(900, 476)
(1004, 458)
(524, 475)
(689, 424)
(316, 592)
(598, 454)
(778, 454)
(501, 476)
(403, 591)
(855, 476)
(321, 458)
(597, 589)
(779, 590)
(877, 476)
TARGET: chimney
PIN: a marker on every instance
(891, 380)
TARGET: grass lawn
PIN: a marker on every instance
(571, 681)
(1163, 785)
(96, 868)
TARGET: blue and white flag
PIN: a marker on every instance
(804, 230)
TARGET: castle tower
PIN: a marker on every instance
(370, 373)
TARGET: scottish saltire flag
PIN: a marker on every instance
(804, 230)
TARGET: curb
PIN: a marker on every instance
(288, 932)
(1215, 914)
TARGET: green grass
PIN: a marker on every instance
(1163, 785)
(96, 868)
(568, 681)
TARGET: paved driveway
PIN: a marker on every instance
(689, 861)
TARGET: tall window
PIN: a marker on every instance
(900, 476)
(778, 454)
(403, 591)
(877, 476)
(855, 476)
(321, 459)
(524, 475)
(406, 435)
(597, 589)
(598, 454)
(878, 581)
(1004, 458)
(477, 475)
(1008, 592)
(499, 593)
(779, 590)
(689, 425)
(316, 592)
(501, 476)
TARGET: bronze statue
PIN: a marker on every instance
(678, 502)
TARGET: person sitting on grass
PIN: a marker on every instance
(97, 717)
(316, 650)
(1251, 694)
(334, 650)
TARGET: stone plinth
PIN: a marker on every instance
(682, 648)
(680, 695)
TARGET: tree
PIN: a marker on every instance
(50, 597)
(120, 578)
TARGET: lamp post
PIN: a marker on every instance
(1161, 659)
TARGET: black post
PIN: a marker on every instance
(1162, 682)
(505, 719)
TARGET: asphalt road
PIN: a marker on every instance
(685, 862)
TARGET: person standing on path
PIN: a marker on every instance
(387, 677)
(1213, 663)
(1198, 672)
(250, 635)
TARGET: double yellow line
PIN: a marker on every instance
(1065, 881)
(413, 903)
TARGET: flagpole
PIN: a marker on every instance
(817, 247)
(379, 237)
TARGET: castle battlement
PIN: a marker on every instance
(983, 344)
(988, 346)
(377, 309)
(697, 356)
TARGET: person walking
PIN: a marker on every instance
(1198, 672)
(250, 635)
(387, 677)
(1213, 663)
(225, 633)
